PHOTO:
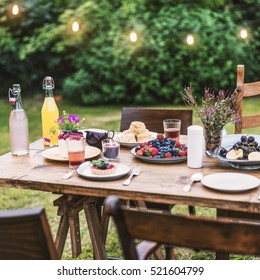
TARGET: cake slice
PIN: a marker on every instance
(101, 167)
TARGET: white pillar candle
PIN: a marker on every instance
(196, 146)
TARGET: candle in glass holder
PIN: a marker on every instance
(110, 149)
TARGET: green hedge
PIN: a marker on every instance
(99, 65)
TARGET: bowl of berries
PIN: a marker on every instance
(161, 150)
(242, 153)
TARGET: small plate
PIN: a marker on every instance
(85, 171)
(53, 153)
(159, 160)
(132, 144)
(230, 182)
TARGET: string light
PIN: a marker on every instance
(15, 9)
(133, 36)
(75, 26)
(190, 39)
(243, 33)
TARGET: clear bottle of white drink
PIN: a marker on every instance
(18, 123)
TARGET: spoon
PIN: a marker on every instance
(194, 178)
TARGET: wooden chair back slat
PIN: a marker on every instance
(251, 121)
(25, 235)
(251, 89)
(246, 90)
(183, 231)
(153, 118)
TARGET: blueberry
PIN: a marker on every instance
(235, 146)
(251, 139)
(239, 143)
(222, 151)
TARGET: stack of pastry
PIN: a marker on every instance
(137, 132)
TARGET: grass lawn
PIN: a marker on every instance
(107, 117)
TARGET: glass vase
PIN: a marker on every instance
(213, 137)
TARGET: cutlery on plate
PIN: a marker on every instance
(194, 178)
(136, 171)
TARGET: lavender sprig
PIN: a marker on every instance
(217, 109)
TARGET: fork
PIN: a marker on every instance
(136, 171)
(68, 174)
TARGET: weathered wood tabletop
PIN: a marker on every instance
(162, 183)
(156, 183)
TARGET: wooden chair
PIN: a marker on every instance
(25, 235)
(153, 118)
(246, 90)
(220, 235)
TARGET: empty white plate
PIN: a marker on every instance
(230, 182)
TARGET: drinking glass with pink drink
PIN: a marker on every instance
(172, 128)
(76, 150)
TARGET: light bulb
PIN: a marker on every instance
(243, 33)
(133, 36)
(190, 39)
(75, 26)
(15, 9)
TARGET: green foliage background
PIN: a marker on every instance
(99, 65)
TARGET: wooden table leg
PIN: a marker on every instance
(68, 208)
(62, 234)
(75, 235)
(222, 255)
(95, 230)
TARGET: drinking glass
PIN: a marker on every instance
(172, 128)
(110, 149)
(76, 150)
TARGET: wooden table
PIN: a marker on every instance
(161, 183)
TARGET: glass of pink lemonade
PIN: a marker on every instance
(172, 128)
(76, 150)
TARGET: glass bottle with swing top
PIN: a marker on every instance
(18, 123)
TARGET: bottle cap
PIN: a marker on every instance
(14, 93)
(48, 83)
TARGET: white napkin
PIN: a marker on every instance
(196, 146)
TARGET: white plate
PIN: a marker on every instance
(53, 153)
(227, 142)
(132, 144)
(85, 171)
(230, 182)
(159, 160)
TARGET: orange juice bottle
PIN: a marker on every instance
(50, 114)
